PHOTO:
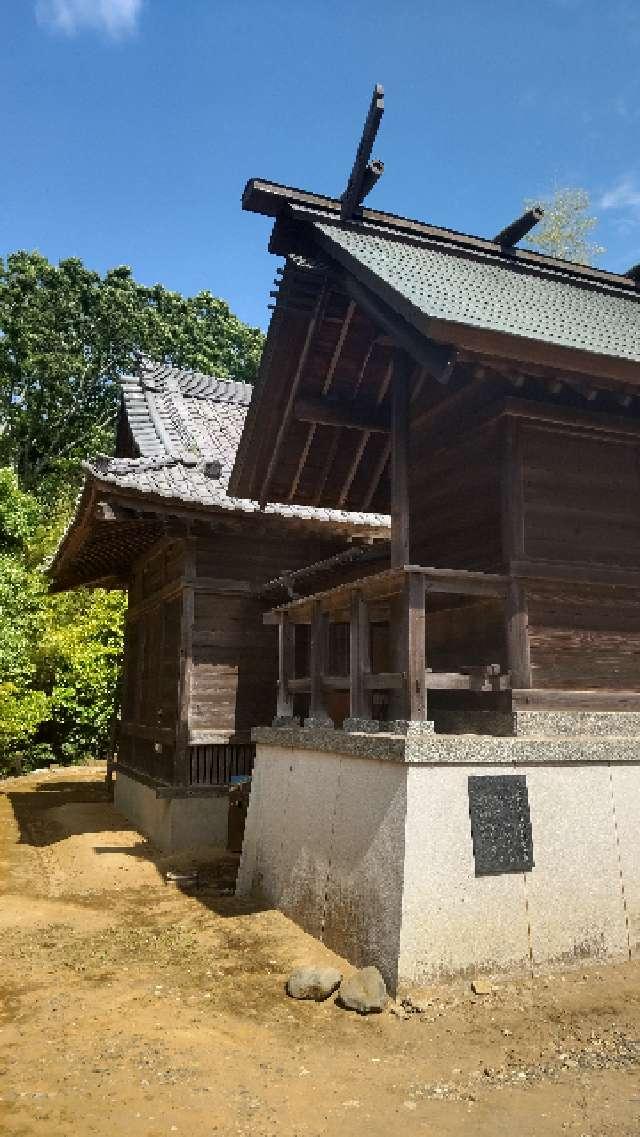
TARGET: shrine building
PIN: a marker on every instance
(478, 806)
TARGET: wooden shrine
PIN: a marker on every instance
(488, 398)
(200, 567)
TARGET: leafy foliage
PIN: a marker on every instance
(566, 228)
(59, 654)
(67, 334)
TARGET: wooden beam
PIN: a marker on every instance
(185, 676)
(318, 660)
(359, 657)
(520, 227)
(408, 647)
(314, 320)
(400, 460)
(576, 700)
(517, 630)
(363, 176)
(340, 412)
(438, 360)
(325, 387)
(362, 443)
(337, 439)
(286, 664)
(416, 646)
(380, 467)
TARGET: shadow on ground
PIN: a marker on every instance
(43, 821)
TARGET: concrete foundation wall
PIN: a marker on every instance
(573, 904)
(176, 823)
(374, 855)
(324, 842)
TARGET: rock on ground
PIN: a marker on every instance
(313, 983)
(364, 992)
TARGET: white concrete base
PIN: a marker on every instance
(373, 855)
(172, 823)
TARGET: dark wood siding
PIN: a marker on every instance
(455, 502)
(584, 637)
(581, 497)
(151, 674)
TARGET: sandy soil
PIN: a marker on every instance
(127, 1007)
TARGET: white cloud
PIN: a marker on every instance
(624, 195)
(115, 17)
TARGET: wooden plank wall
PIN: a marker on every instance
(152, 663)
(234, 670)
(455, 502)
(584, 637)
(581, 497)
(581, 507)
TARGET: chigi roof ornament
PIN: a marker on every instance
(366, 171)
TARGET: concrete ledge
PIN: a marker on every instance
(568, 724)
(423, 747)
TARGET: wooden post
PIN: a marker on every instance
(359, 657)
(409, 648)
(517, 626)
(414, 598)
(318, 658)
(286, 656)
(516, 616)
(400, 459)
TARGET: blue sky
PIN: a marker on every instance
(129, 127)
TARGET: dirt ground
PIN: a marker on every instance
(130, 1008)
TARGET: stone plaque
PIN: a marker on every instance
(500, 824)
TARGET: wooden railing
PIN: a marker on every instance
(214, 764)
(397, 596)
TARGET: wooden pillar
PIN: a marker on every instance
(414, 598)
(516, 615)
(359, 658)
(408, 630)
(182, 775)
(400, 459)
(517, 626)
(286, 656)
(318, 660)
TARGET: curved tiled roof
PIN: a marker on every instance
(186, 428)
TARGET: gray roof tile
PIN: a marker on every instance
(486, 291)
(186, 426)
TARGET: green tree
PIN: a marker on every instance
(566, 228)
(67, 334)
(59, 654)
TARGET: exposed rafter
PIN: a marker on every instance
(314, 319)
(362, 444)
(337, 434)
(439, 361)
(328, 380)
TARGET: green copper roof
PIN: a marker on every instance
(486, 291)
